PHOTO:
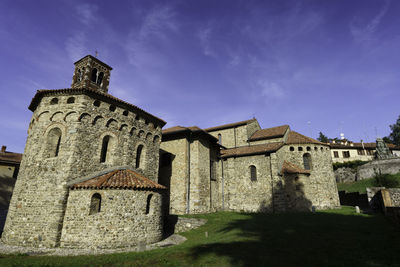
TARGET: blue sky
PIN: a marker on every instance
(330, 66)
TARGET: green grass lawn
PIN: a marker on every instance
(360, 186)
(328, 238)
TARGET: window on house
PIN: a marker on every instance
(53, 142)
(96, 103)
(335, 154)
(308, 148)
(253, 173)
(316, 148)
(149, 197)
(54, 101)
(300, 148)
(112, 108)
(71, 100)
(220, 139)
(105, 148)
(138, 157)
(360, 151)
(291, 148)
(125, 113)
(95, 204)
(94, 75)
(346, 154)
(307, 161)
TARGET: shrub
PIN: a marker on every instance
(386, 180)
(349, 164)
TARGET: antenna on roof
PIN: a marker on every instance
(96, 54)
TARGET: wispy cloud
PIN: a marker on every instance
(86, 13)
(270, 89)
(76, 45)
(362, 33)
(143, 44)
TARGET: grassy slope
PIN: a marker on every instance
(328, 238)
(360, 186)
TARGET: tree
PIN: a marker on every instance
(323, 138)
(394, 136)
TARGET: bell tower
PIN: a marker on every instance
(91, 73)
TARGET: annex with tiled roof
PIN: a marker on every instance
(229, 125)
(296, 138)
(291, 168)
(95, 94)
(10, 157)
(251, 150)
(118, 179)
(269, 133)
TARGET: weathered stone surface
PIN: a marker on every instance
(118, 224)
(345, 175)
(384, 166)
(186, 224)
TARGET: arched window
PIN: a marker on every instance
(54, 101)
(300, 148)
(94, 75)
(125, 113)
(95, 204)
(100, 78)
(148, 203)
(71, 100)
(138, 157)
(307, 161)
(308, 148)
(220, 139)
(291, 148)
(105, 147)
(112, 108)
(79, 74)
(316, 148)
(53, 142)
(253, 173)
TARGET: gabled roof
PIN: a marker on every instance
(181, 129)
(118, 179)
(230, 125)
(269, 133)
(10, 157)
(296, 138)
(93, 93)
(288, 167)
(251, 150)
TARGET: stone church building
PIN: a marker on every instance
(100, 172)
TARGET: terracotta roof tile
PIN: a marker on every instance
(230, 125)
(45, 92)
(119, 179)
(296, 138)
(193, 129)
(10, 157)
(251, 150)
(288, 167)
(269, 133)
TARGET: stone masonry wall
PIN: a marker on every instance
(117, 224)
(178, 176)
(38, 203)
(242, 194)
(321, 189)
(228, 135)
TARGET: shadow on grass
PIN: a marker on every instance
(336, 238)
